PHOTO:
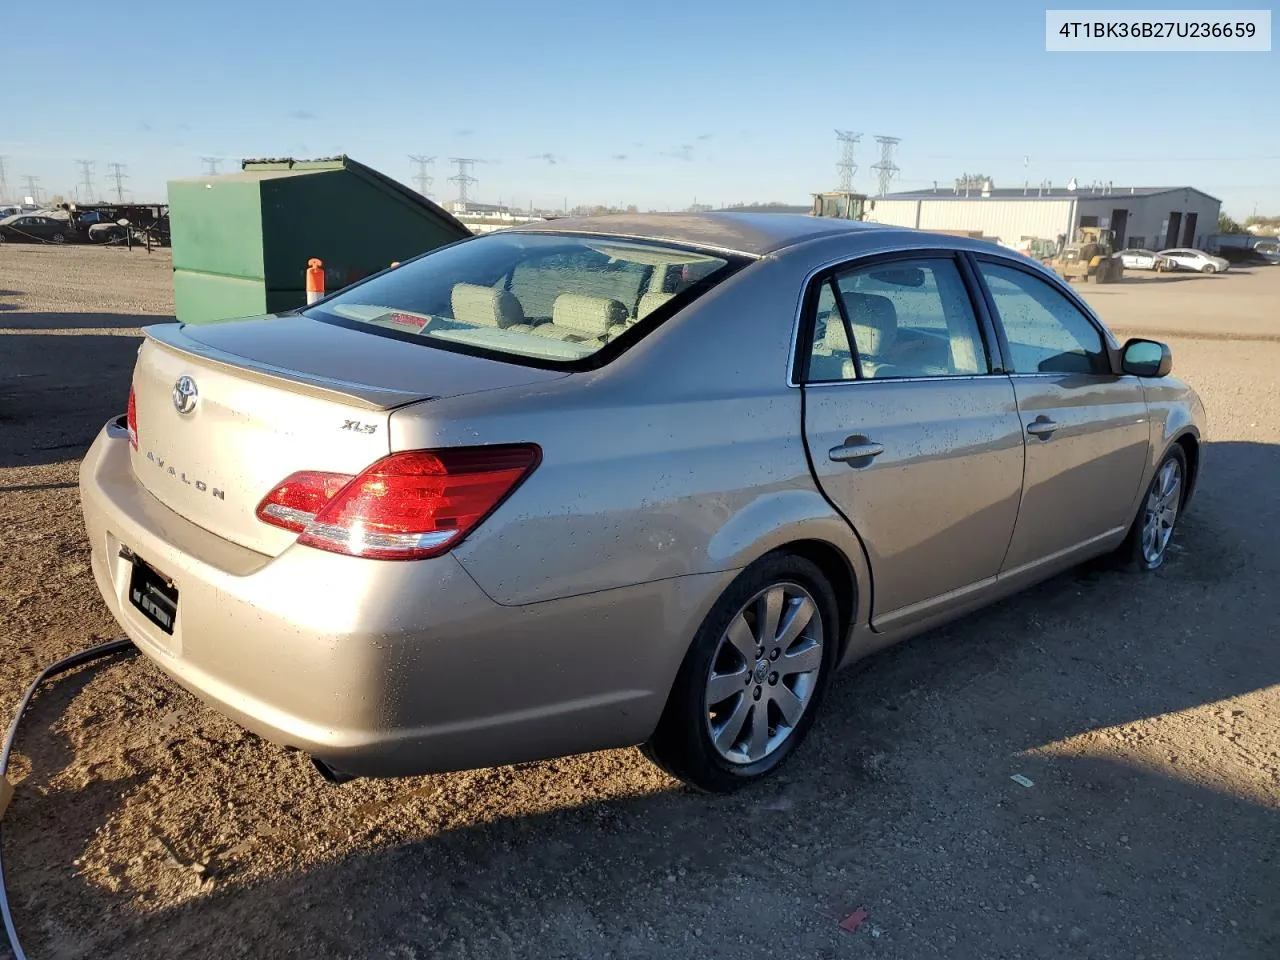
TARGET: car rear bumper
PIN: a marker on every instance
(386, 668)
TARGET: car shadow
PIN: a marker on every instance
(902, 802)
(62, 380)
(31, 320)
(1145, 277)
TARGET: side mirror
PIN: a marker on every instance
(1146, 358)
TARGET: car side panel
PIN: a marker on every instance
(937, 507)
(1175, 410)
(1081, 479)
(643, 500)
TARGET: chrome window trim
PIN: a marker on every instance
(929, 379)
(965, 376)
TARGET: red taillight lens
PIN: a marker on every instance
(131, 419)
(295, 502)
(408, 506)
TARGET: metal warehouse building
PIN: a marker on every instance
(1152, 217)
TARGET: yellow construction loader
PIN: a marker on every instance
(1090, 257)
(842, 205)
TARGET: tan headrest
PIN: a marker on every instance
(592, 316)
(874, 322)
(651, 302)
(485, 306)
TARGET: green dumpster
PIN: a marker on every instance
(241, 241)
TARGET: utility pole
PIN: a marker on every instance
(886, 168)
(463, 177)
(4, 180)
(86, 179)
(211, 165)
(117, 172)
(422, 178)
(848, 143)
(33, 187)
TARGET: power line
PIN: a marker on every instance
(4, 179)
(422, 178)
(886, 168)
(463, 177)
(1163, 160)
(118, 174)
(211, 165)
(86, 179)
(33, 187)
(848, 144)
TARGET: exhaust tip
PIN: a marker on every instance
(336, 777)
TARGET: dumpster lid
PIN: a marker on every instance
(270, 168)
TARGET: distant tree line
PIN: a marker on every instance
(1228, 225)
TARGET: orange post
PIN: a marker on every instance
(315, 280)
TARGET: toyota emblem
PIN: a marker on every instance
(185, 395)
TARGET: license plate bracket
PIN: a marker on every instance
(154, 595)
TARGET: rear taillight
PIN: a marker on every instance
(295, 502)
(408, 506)
(131, 419)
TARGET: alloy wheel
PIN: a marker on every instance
(764, 673)
(1161, 511)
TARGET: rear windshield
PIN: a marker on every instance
(547, 299)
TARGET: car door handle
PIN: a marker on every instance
(1041, 427)
(855, 448)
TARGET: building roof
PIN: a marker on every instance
(1035, 192)
(756, 234)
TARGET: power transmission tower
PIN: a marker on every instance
(463, 177)
(211, 165)
(117, 172)
(422, 178)
(86, 179)
(886, 168)
(33, 187)
(4, 180)
(847, 167)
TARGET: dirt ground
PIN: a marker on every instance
(1145, 710)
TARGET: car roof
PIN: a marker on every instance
(754, 234)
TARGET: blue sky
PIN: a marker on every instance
(654, 103)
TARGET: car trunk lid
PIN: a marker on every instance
(227, 411)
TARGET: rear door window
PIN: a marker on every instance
(909, 318)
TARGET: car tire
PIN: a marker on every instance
(1147, 544)
(1208, 268)
(753, 719)
(59, 238)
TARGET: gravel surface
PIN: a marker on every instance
(1143, 711)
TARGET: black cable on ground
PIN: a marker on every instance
(62, 666)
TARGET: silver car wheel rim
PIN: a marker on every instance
(764, 672)
(1161, 511)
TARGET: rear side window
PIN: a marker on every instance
(908, 319)
(1047, 333)
(550, 299)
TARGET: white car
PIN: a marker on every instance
(1136, 259)
(1188, 259)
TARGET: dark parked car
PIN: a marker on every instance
(31, 228)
